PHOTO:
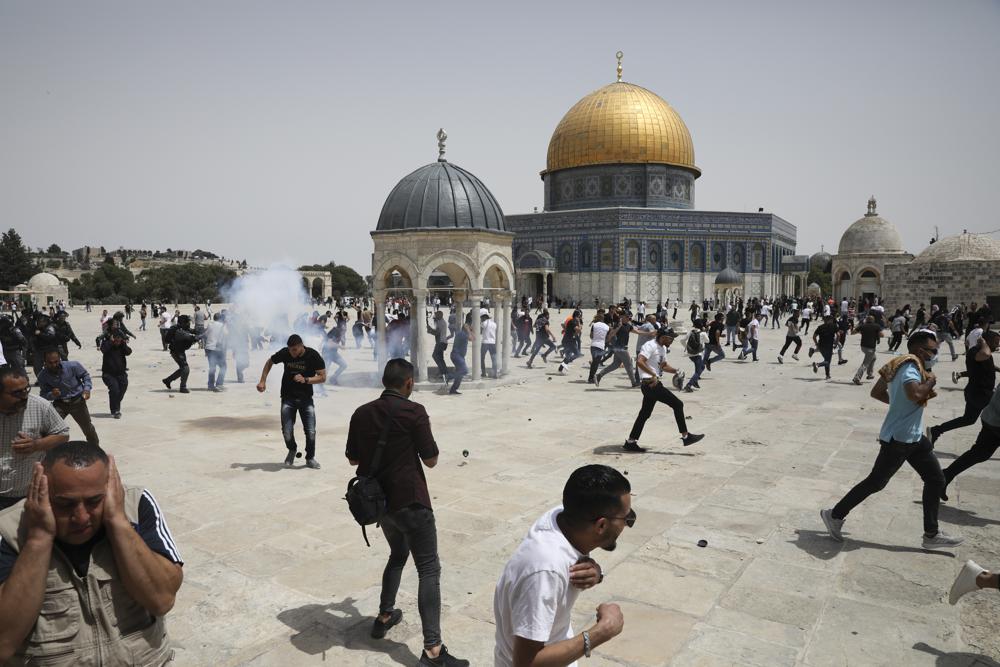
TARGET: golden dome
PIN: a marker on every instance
(621, 123)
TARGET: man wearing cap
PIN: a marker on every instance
(652, 363)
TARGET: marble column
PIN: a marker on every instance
(459, 300)
(418, 337)
(508, 304)
(477, 343)
(380, 337)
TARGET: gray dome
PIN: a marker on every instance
(961, 248)
(822, 261)
(728, 276)
(440, 195)
(871, 235)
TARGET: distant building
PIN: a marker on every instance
(867, 248)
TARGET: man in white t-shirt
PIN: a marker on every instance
(653, 362)
(806, 317)
(598, 343)
(489, 332)
(534, 598)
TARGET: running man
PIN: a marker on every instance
(652, 363)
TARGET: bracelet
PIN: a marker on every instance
(586, 644)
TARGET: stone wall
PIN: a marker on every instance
(955, 282)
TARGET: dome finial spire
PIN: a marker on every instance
(619, 56)
(871, 206)
(442, 137)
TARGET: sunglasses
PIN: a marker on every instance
(629, 518)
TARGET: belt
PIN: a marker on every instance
(71, 399)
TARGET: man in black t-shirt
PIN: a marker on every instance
(824, 338)
(304, 367)
(715, 330)
(981, 372)
(870, 332)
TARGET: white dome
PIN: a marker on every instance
(43, 281)
(871, 235)
(964, 247)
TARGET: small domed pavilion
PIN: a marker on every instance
(441, 231)
(869, 245)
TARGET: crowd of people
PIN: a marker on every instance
(69, 526)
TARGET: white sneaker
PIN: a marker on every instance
(941, 540)
(795, 357)
(833, 526)
(780, 360)
(965, 582)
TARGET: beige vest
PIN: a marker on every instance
(89, 621)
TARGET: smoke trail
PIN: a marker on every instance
(271, 300)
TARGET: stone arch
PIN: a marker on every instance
(739, 257)
(869, 273)
(395, 262)
(586, 255)
(757, 257)
(498, 272)
(457, 265)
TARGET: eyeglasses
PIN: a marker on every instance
(629, 518)
(20, 393)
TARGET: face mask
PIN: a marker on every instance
(929, 363)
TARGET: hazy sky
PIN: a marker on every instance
(275, 130)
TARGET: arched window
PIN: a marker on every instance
(654, 256)
(868, 273)
(585, 255)
(758, 257)
(607, 255)
(697, 257)
(566, 257)
(718, 256)
(675, 256)
(738, 258)
(632, 255)
(845, 276)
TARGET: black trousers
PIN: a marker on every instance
(183, 370)
(117, 386)
(438, 356)
(788, 341)
(891, 456)
(975, 403)
(651, 395)
(412, 530)
(984, 448)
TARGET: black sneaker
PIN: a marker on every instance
(166, 384)
(633, 446)
(812, 351)
(184, 390)
(290, 459)
(379, 628)
(597, 380)
(444, 659)
(692, 438)
(815, 368)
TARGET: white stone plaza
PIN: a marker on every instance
(277, 573)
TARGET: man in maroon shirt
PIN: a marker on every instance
(408, 523)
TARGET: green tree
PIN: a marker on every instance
(107, 284)
(54, 250)
(824, 280)
(184, 283)
(15, 264)
(346, 281)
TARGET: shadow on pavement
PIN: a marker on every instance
(962, 517)
(962, 659)
(606, 450)
(320, 627)
(819, 544)
(266, 467)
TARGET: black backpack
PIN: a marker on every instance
(365, 496)
(694, 344)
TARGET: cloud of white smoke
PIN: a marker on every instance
(271, 299)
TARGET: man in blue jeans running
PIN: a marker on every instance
(408, 522)
(304, 367)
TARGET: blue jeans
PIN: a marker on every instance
(699, 366)
(458, 360)
(304, 407)
(216, 362)
(709, 359)
(731, 337)
(412, 530)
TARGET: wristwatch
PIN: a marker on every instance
(586, 644)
